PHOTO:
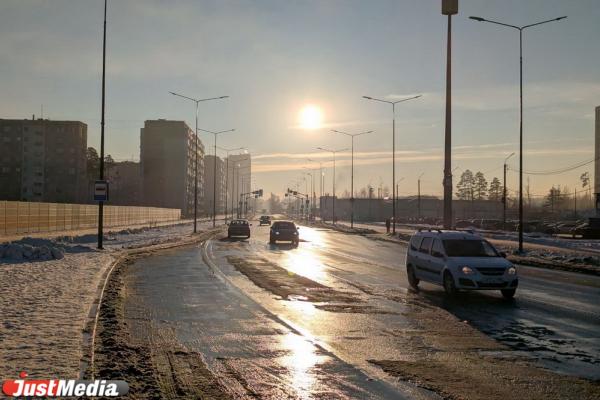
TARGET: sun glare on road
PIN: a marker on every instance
(305, 260)
(311, 117)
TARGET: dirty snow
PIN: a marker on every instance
(45, 299)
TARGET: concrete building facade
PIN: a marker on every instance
(209, 184)
(43, 160)
(168, 162)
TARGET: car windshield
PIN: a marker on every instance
(239, 223)
(469, 248)
(284, 225)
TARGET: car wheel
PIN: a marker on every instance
(413, 281)
(508, 293)
(449, 285)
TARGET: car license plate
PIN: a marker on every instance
(493, 281)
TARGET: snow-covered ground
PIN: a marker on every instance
(45, 301)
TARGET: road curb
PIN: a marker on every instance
(86, 364)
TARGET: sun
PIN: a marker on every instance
(311, 117)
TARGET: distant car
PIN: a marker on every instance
(284, 231)
(459, 260)
(264, 220)
(238, 228)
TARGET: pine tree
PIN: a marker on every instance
(481, 186)
(495, 192)
(464, 188)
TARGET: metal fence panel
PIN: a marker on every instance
(28, 217)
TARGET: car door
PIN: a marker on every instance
(412, 255)
(424, 261)
(438, 260)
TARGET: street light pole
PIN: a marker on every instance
(504, 194)
(333, 199)
(419, 197)
(215, 172)
(520, 29)
(393, 103)
(352, 135)
(196, 151)
(101, 203)
(321, 180)
(449, 8)
(227, 177)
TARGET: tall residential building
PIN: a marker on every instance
(239, 175)
(43, 160)
(209, 167)
(168, 165)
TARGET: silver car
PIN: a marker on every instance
(459, 260)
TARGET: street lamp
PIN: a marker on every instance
(196, 151)
(520, 29)
(227, 176)
(312, 188)
(393, 103)
(504, 193)
(215, 172)
(397, 184)
(333, 199)
(321, 180)
(101, 203)
(419, 196)
(449, 8)
(236, 189)
(352, 135)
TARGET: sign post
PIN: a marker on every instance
(101, 191)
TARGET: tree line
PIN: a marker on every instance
(475, 187)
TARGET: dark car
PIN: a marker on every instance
(264, 220)
(284, 231)
(238, 228)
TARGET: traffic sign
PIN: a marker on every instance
(101, 191)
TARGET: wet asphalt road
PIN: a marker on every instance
(267, 348)
(555, 317)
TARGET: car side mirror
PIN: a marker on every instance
(502, 254)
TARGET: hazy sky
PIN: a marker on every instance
(274, 57)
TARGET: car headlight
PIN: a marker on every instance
(511, 271)
(295, 233)
(467, 270)
(277, 233)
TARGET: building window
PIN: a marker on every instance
(5, 170)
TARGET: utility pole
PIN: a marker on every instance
(419, 197)
(333, 198)
(393, 104)
(504, 193)
(520, 29)
(449, 8)
(101, 203)
(352, 135)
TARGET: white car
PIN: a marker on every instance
(459, 260)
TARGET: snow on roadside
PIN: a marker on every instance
(45, 304)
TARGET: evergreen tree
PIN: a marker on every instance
(496, 189)
(464, 188)
(481, 186)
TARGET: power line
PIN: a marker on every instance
(557, 171)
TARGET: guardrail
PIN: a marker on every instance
(17, 217)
